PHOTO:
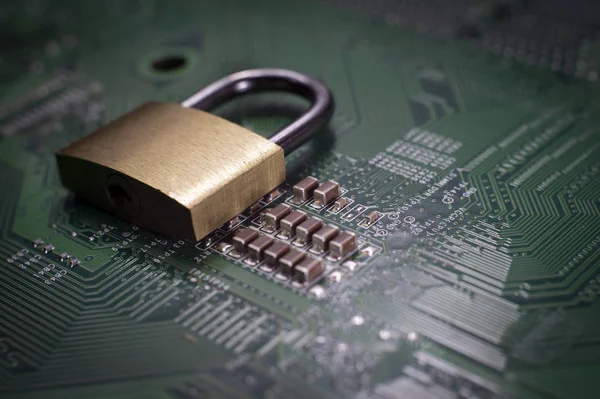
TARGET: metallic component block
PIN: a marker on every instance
(308, 270)
(273, 216)
(322, 237)
(257, 247)
(243, 238)
(274, 252)
(307, 228)
(289, 260)
(326, 193)
(291, 222)
(343, 244)
(304, 189)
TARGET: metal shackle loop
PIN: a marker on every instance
(296, 133)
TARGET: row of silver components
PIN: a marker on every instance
(49, 248)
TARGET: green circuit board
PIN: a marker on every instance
(470, 178)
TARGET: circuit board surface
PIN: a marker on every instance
(471, 179)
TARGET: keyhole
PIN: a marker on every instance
(119, 196)
(122, 196)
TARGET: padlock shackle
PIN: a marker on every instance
(296, 133)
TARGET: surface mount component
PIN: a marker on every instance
(343, 244)
(252, 209)
(257, 247)
(369, 219)
(243, 238)
(322, 237)
(291, 222)
(276, 251)
(339, 204)
(326, 193)
(184, 172)
(306, 229)
(304, 189)
(308, 269)
(273, 216)
(289, 260)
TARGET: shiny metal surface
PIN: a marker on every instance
(272, 79)
(174, 170)
(184, 172)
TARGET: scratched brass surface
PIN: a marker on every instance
(178, 171)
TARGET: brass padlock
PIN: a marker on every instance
(184, 172)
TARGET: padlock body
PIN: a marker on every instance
(178, 171)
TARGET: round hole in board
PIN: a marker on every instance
(169, 63)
